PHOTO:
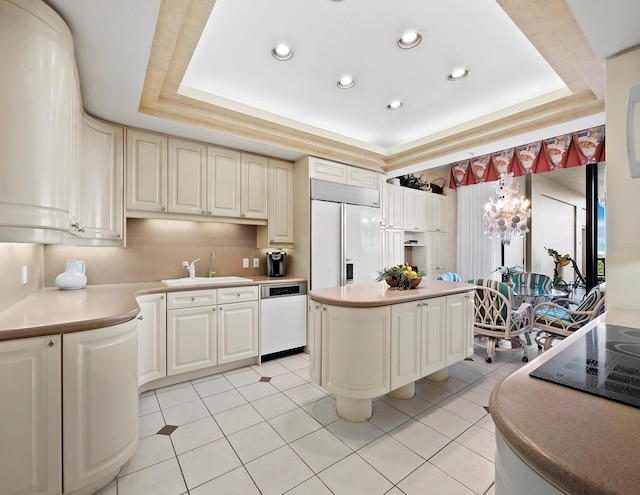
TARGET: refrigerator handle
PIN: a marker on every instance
(343, 267)
(349, 269)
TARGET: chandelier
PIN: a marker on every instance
(506, 214)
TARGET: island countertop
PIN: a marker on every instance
(380, 294)
(581, 443)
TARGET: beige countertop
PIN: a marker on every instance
(579, 442)
(380, 294)
(52, 311)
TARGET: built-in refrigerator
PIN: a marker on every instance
(345, 234)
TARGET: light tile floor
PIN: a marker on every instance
(268, 429)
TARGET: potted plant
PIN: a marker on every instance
(401, 277)
(506, 272)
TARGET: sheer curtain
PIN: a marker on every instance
(478, 255)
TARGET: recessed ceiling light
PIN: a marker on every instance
(395, 105)
(410, 39)
(346, 82)
(282, 52)
(458, 74)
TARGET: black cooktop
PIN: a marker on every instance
(604, 361)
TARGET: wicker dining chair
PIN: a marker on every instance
(495, 320)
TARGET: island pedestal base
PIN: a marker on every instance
(360, 410)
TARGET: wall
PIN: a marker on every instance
(564, 210)
(156, 249)
(623, 193)
(12, 258)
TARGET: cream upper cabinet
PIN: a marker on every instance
(31, 412)
(100, 403)
(279, 229)
(362, 177)
(146, 171)
(436, 251)
(327, 170)
(415, 209)
(99, 220)
(254, 186)
(436, 212)
(223, 181)
(392, 247)
(187, 177)
(396, 206)
(38, 98)
(152, 338)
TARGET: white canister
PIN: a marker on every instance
(73, 277)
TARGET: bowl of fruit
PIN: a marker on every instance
(401, 277)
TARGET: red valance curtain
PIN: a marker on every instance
(569, 150)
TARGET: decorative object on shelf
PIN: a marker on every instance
(73, 277)
(401, 277)
(506, 214)
(414, 182)
(506, 272)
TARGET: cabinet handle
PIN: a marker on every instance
(51, 343)
(213, 309)
(204, 212)
(140, 317)
(161, 298)
(193, 299)
(164, 209)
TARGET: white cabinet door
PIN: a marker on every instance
(421, 210)
(357, 176)
(279, 231)
(327, 170)
(392, 247)
(152, 338)
(356, 351)
(101, 208)
(191, 339)
(436, 212)
(223, 182)
(100, 403)
(315, 323)
(255, 180)
(432, 313)
(30, 443)
(187, 177)
(436, 251)
(396, 206)
(405, 343)
(237, 331)
(146, 171)
(459, 327)
(37, 94)
(409, 209)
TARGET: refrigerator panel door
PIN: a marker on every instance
(362, 242)
(325, 244)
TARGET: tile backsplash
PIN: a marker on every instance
(156, 249)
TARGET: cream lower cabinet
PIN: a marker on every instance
(406, 336)
(31, 415)
(191, 331)
(436, 251)
(152, 338)
(100, 405)
(238, 329)
(434, 333)
(355, 351)
(314, 326)
(459, 320)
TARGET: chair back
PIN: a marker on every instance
(449, 277)
(543, 283)
(594, 301)
(493, 303)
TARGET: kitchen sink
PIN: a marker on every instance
(204, 280)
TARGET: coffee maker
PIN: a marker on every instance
(276, 263)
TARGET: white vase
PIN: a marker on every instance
(73, 277)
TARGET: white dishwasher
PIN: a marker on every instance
(283, 318)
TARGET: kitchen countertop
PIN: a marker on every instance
(581, 443)
(380, 294)
(53, 311)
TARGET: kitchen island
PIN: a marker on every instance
(369, 340)
(553, 439)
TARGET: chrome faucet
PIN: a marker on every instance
(191, 267)
(212, 259)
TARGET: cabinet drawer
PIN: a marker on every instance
(237, 294)
(191, 298)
